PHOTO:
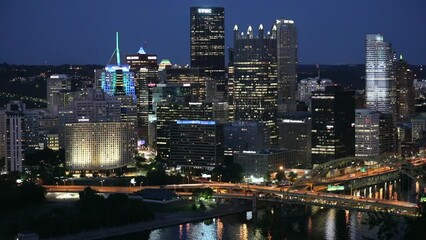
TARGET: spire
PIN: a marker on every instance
(236, 28)
(141, 51)
(117, 50)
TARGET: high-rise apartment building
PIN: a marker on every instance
(367, 133)
(380, 75)
(207, 36)
(254, 96)
(286, 60)
(333, 117)
(12, 136)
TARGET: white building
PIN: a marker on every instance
(99, 146)
(380, 75)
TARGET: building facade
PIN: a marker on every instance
(380, 75)
(405, 93)
(207, 36)
(254, 96)
(333, 117)
(99, 146)
(196, 144)
(367, 133)
(286, 60)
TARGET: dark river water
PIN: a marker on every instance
(302, 223)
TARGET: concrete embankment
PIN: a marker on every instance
(161, 221)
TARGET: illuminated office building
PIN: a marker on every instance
(196, 144)
(189, 77)
(117, 79)
(380, 75)
(99, 146)
(405, 93)
(254, 96)
(367, 133)
(168, 113)
(333, 117)
(207, 36)
(286, 60)
(145, 68)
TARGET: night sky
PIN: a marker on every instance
(83, 31)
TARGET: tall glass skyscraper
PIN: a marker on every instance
(380, 75)
(286, 60)
(254, 96)
(208, 43)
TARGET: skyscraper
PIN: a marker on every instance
(117, 79)
(145, 67)
(11, 136)
(57, 84)
(366, 133)
(286, 60)
(405, 94)
(380, 75)
(208, 43)
(254, 96)
(333, 117)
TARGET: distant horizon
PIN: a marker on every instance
(87, 64)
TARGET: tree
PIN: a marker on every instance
(203, 193)
(280, 176)
(292, 176)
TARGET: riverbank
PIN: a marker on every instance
(162, 220)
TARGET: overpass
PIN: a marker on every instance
(272, 194)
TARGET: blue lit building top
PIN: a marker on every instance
(196, 122)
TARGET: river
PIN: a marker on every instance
(305, 223)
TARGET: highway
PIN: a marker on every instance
(232, 190)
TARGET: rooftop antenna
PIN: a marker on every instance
(117, 50)
(319, 71)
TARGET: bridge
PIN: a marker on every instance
(271, 194)
(311, 189)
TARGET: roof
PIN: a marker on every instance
(157, 194)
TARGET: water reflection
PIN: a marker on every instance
(303, 223)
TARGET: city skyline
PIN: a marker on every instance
(50, 32)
